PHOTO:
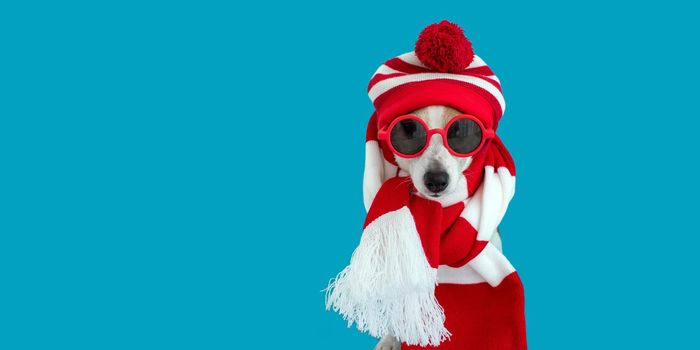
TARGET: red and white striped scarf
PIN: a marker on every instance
(388, 288)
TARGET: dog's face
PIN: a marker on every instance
(436, 173)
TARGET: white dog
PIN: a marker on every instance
(436, 174)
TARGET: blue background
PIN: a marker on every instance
(188, 175)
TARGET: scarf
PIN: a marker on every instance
(389, 285)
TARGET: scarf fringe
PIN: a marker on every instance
(388, 288)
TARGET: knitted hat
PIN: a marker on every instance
(443, 70)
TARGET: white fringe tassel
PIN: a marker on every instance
(389, 286)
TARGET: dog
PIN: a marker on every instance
(436, 174)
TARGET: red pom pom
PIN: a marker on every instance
(444, 48)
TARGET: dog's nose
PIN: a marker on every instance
(436, 181)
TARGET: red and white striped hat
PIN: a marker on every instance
(442, 70)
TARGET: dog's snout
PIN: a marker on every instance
(436, 181)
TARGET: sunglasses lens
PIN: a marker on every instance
(464, 136)
(408, 137)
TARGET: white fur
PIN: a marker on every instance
(437, 156)
(388, 342)
(374, 172)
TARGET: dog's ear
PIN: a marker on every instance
(374, 175)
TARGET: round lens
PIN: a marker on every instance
(464, 136)
(408, 136)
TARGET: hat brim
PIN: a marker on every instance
(463, 97)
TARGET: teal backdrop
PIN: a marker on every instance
(187, 175)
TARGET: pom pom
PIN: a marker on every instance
(444, 48)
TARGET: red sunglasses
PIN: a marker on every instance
(408, 135)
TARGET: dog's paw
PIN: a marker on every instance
(388, 343)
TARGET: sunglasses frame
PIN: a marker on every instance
(486, 134)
